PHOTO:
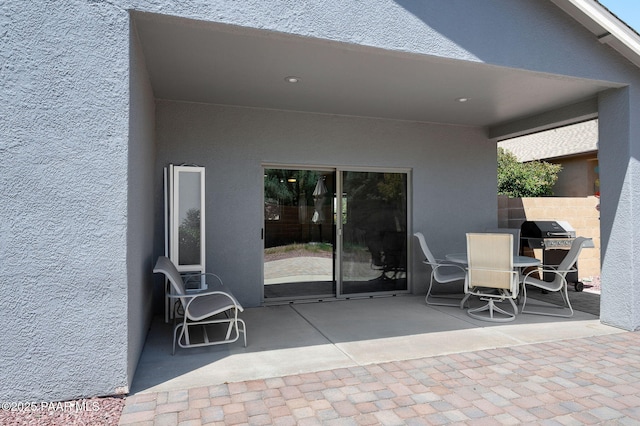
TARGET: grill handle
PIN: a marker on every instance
(559, 234)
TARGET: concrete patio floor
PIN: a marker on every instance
(310, 337)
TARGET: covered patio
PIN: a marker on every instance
(291, 100)
(309, 337)
(241, 95)
(240, 101)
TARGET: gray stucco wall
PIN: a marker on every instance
(577, 177)
(64, 131)
(141, 206)
(449, 173)
(73, 249)
(620, 192)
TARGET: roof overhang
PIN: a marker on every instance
(214, 63)
(606, 26)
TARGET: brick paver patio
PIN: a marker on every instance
(578, 381)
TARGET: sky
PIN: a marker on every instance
(627, 10)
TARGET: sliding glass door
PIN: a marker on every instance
(318, 245)
(373, 228)
(299, 234)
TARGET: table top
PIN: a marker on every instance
(518, 261)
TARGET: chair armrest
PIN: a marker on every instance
(196, 293)
(191, 297)
(177, 296)
(227, 294)
(210, 274)
(189, 277)
(445, 264)
(550, 269)
(510, 271)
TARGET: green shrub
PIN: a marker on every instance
(532, 179)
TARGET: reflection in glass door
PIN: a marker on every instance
(184, 217)
(374, 232)
(299, 234)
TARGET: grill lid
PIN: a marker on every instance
(546, 229)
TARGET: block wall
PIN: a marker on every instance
(580, 212)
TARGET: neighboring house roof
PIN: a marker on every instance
(561, 142)
(582, 137)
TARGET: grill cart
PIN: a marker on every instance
(555, 239)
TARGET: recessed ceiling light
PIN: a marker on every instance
(292, 79)
(462, 99)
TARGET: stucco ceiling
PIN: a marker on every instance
(221, 64)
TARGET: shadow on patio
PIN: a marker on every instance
(306, 337)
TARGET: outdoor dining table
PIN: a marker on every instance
(518, 261)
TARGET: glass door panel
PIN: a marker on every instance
(186, 193)
(188, 212)
(374, 232)
(299, 234)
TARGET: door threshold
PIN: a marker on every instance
(280, 302)
(289, 301)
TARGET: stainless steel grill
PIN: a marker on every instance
(555, 239)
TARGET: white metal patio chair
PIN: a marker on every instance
(513, 231)
(490, 275)
(560, 281)
(516, 245)
(443, 272)
(202, 308)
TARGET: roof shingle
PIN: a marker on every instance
(561, 142)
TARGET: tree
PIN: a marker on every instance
(532, 179)
(287, 186)
(189, 238)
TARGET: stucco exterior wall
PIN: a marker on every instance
(619, 194)
(64, 131)
(234, 143)
(577, 177)
(141, 206)
(70, 249)
(540, 36)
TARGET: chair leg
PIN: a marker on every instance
(243, 329)
(185, 332)
(230, 328)
(234, 324)
(464, 300)
(565, 299)
(205, 335)
(428, 298)
(492, 308)
(176, 326)
(513, 304)
(166, 301)
(175, 332)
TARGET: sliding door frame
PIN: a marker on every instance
(339, 230)
(339, 170)
(287, 299)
